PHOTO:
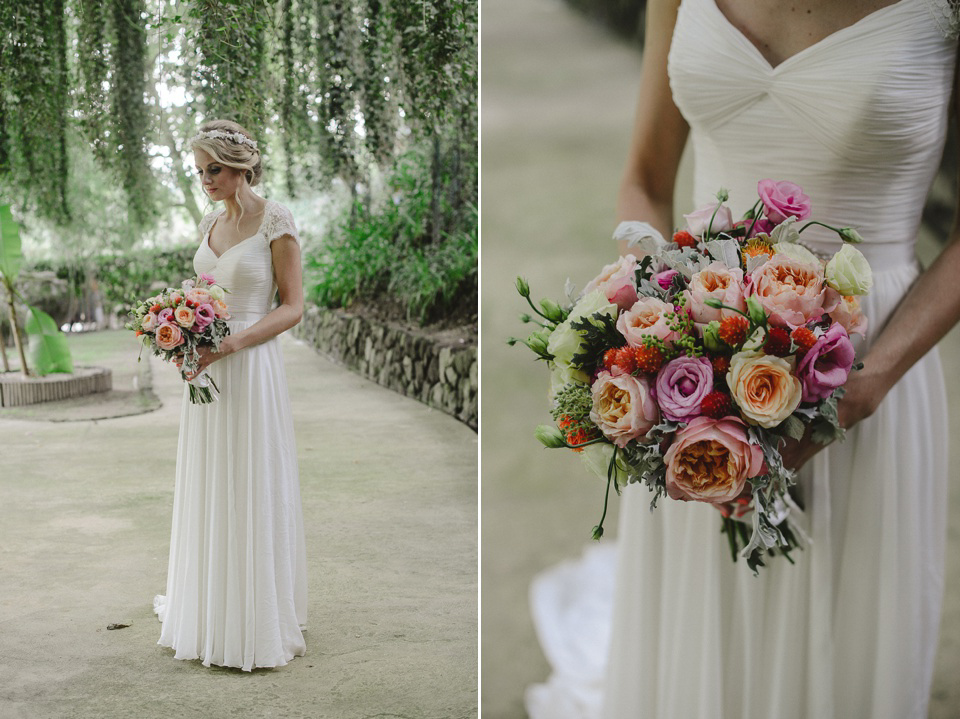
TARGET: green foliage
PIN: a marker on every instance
(124, 278)
(382, 255)
(49, 351)
(10, 256)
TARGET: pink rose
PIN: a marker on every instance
(623, 407)
(719, 282)
(165, 315)
(148, 322)
(826, 365)
(849, 315)
(782, 200)
(710, 460)
(665, 278)
(205, 314)
(682, 383)
(792, 292)
(698, 221)
(204, 277)
(198, 296)
(169, 336)
(618, 282)
(646, 319)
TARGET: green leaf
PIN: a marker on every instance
(10, 256)
(793, 427)
(49, 351)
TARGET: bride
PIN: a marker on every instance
(236, 581)
(851, 102)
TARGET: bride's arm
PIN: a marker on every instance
(288, 275)
(659, 131)
(929, 310)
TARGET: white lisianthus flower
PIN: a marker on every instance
(597, 458)
(565, 341)
(216, 292)
(563, 374)
(849, 272)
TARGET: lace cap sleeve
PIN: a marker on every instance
(206, 223)
(279, 222)
(946, 13)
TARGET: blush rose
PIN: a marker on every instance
(617, 281)
(719, 282)
(169, 336)
(623, 407)
(792, 292)
(645, 318)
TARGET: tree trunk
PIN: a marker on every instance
(16, 328)
(3, 351)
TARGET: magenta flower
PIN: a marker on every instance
(681, 385)
(826, 365)
(782, 200)
(665, 278)
(204, 315)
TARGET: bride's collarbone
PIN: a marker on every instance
(227, 233)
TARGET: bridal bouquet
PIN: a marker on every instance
(177, 322)
(688, 368)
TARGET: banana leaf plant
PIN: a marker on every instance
(48, 345)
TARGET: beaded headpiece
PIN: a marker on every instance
(237, 137)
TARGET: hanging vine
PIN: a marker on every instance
(35, 107)
(93, 66)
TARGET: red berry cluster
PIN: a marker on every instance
(684, 239)
(733, 330)
(778, 342)
(716, 405)
(804, 339)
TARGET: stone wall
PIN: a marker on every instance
(439, 372)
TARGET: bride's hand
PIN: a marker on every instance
(862, 397)
(207, 355)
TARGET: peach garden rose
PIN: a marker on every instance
(715, 281)
(645, 318)
(184, 316)
(169, 336)
(792, 292)
(623, 407)
(710, 460)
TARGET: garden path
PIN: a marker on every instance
(389, 494)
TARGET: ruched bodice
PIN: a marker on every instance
(858, 119)
(246, 269)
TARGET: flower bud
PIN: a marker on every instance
(522, 287)
(711, 339)
(755, 311)
(713, 302)
(848, 234)
(538, 343)
(552, 311)
(549, 436)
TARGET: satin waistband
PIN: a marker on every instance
(246, 316)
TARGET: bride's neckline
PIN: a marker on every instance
(206, 237)
(809, 48)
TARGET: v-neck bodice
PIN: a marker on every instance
(246, 268)
(858, 119)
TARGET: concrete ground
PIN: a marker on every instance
(558, 102)
(389, 495)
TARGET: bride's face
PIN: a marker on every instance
(218, 180)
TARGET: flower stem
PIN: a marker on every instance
(611, 470)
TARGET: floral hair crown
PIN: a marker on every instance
(237, 137)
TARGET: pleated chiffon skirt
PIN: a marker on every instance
(236, 585)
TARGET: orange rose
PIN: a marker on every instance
(764, 387)
(792, 292)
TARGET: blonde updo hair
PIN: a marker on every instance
(238, 155)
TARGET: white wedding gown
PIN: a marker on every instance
(236, 581)
(859, 121)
